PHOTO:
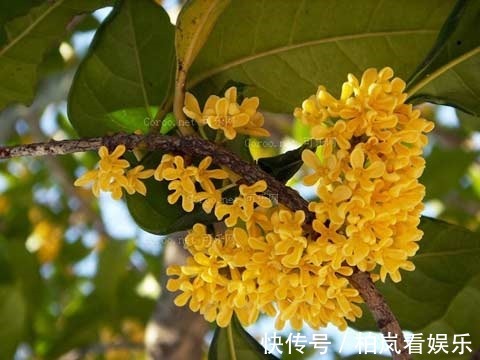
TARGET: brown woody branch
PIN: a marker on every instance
(250, 173)
(386, 321)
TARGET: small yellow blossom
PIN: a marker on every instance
(111, 175)
(225, 114)
(133, 179)
(205, 176)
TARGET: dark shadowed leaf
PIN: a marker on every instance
(284, 166)
(127, 74)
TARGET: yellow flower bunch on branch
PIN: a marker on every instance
(112, 176)
(268, 260)
(225, 114)
(367, 173)
(367, 214)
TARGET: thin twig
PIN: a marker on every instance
(250, 173)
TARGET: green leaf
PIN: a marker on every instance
(443, 293)
(10, 10)
(437, 183)
(24, 41)
(112, 265)
(127, 74)
(13, 313)
(195, 22)
(154, 214)
(468, 121)
(285, 49)
(284, 166)
(449, 74)
(234, 343)
(168, 124)
(78, 328)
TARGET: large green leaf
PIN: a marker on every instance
(234, 343)
(443, 293)
(24, 40)
(128, 73)
(284, 49)
(450, 73)
(12, 319)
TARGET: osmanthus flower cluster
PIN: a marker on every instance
(366, 175)
(225, 114)
(369, 203)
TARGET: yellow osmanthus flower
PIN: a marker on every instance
(183, 179)
(111, 175)
(225, 114)
(369, 195)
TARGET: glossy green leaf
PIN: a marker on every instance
(450, 72)
(284, 49)
(443, 293)
(13, 316)
(284, 166)
(234, 343)
(24, 40)
(127, 74)
(437, 184)
(154, 214)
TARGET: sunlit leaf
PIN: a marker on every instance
(195, 22)
(284, 49)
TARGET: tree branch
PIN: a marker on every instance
(386, 321)
(189, 145)
(192, 145)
